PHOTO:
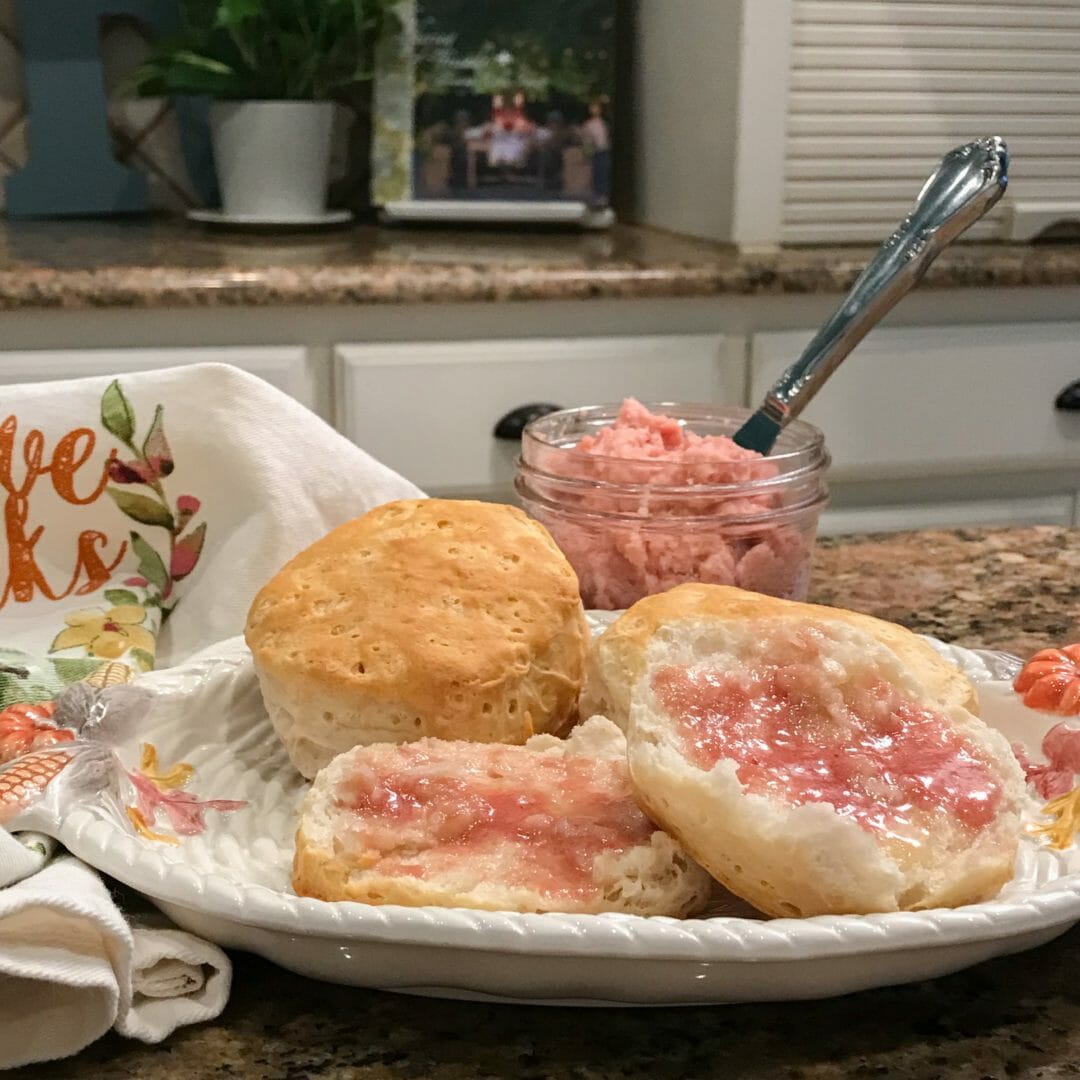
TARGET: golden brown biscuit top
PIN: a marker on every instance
(416, 595)
(630, 633)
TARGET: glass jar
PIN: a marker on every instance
(636, 526)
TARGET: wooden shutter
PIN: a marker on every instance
(881, 89)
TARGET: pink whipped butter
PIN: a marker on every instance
(877, 756)
(641, 436)
(532, 820)
(624, 546)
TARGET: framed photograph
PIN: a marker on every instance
(496, 111)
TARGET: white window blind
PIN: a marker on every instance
(881, 89)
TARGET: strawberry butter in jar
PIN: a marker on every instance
(644, 497)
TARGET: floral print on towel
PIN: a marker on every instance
(128, 627)
(65, 717)
(109, 633)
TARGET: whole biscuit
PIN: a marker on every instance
(431, 617)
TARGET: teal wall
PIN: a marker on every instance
(71, 169)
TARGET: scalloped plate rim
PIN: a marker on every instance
(728, 939)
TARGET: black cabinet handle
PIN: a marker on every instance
(513, 423)
(1069, 398)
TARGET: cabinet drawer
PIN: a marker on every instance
(286, 367)
(910, 401)
(429, 410)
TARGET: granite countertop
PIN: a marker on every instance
(1013, 589)
(145, 263)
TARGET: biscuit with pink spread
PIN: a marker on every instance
(617, 659)
(549, 826)
(813, 761)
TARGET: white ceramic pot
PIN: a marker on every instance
(272, 157)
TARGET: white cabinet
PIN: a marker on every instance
(928, 426)
(825, 116)
(946, 400)
(429, 410)
(289, 368)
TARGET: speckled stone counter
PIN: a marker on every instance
(1009, 589)
(167, 263)
(1016, 1017)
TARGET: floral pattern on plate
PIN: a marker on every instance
(77, 738)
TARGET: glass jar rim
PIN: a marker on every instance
(777, 515)
(753, 488)
(809, 455)
(811, 441)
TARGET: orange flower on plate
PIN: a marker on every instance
(1050, 681)
(24, 728)
(107, 634)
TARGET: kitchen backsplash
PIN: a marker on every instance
(12, 109)
(145, 132)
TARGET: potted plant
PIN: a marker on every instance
(272, 69)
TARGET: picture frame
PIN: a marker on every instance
(500, 112)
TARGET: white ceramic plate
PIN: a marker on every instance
(231, 883)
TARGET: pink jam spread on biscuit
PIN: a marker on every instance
(523, 818)
(632, 545)
(877, 756)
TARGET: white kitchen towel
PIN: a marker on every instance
(71, 968)
(140, 515)
(184, 488)
(176, 979)
(22, 856)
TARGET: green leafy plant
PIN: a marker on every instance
(259, 50)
